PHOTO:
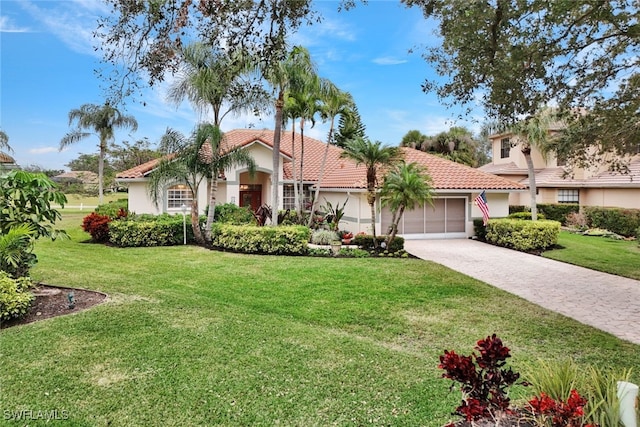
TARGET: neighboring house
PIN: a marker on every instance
(87, 179)
(7, 163)
(452, 215)
(555, 184)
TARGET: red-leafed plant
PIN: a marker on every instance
(97, 226)
(483, 378)
(559, 414)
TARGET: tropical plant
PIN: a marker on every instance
(405, 187)
(483, 378)
(191, 161)
(103, 120)
(15, 298)
(373, 155)
(16, 250)
(4, 141)
(283, 76)
(302, 102)
(27, 198)
(334, 214)
(334, 103)
(534, 132)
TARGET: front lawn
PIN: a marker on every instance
(621, 257)
(195, 337)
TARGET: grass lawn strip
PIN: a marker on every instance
(194, 337)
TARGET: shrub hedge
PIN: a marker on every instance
(619, 220)
(162, 230)
(526, 215)
(283, 240)
(558, 211)
(231, 213)
(15, 296)
(365, 241)
(112, 208)
(523, 235)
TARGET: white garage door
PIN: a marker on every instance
(446, 218)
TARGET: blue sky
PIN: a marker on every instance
(47, 62)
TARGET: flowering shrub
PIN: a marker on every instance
(548, 411)
(98, 226)
(482, 378)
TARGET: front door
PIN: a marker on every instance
(251, 199)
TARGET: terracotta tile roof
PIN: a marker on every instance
(555, 177)
(5, 158)
(343, 173)
(503, 169)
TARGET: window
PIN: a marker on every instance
(178, 195)
(289, 198)
(568, 196)
(505, 148)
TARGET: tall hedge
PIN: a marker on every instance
(162, 230)
(522, 235)
(619, 220)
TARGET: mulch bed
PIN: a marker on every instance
(52, 301)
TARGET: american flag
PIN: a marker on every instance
(481, 203)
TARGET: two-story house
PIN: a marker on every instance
(596, 186)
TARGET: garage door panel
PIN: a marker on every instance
(456, 218)
(434, 217)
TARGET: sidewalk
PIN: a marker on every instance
(604, 301)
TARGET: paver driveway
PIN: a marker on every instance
(607, 302)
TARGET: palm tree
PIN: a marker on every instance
(534, 132)
(102, 119)
(373, 155)
(4, 141)
(334, 103)
(404, 188)
(304, 103)
(224, 81)
(192, 160)
(284, 76)
(215, 78)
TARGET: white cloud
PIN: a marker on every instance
(388, 60)
(43, 150)
(6, 26)
(73, 22)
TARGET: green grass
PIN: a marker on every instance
(620, 257)
(77, 203)
(194, 337)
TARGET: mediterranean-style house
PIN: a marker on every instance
(556, 184)
(87, 179)
(451, 215)
(7, 163)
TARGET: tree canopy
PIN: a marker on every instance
(517, 56)
(142, 37)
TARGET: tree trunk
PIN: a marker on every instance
(314, 202)
(300, 207)
(394, 225)
(371, 199)
(275, 176)
(103, 148)
(296, 195)
(195, 221)
(532, 181)
(213, 191)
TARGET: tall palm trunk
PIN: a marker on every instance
(301, 188)
(213, 191)
(371, 199)
(275, 177)
(526, 150)
(296, 195)
(103, 148)
(323, 165)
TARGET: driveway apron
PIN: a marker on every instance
(604, 301)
